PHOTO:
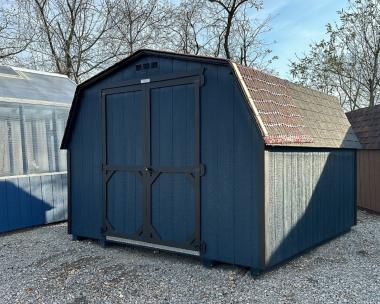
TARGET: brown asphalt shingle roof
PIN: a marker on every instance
(366, 124)
(292, 115)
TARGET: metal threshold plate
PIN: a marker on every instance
(154, 246)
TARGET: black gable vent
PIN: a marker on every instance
(147, 66)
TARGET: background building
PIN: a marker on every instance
(366, 124)
(34, 107)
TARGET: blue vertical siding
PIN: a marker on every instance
(173, 145)
(173, 207)
(27, 201)
(125, 194)
(85, 168)
(125, 112)
(231, 150)
(125, 190)
(310, 198)
(173, 124)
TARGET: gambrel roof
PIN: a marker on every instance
(366, 124)
(287, 114)
(292, 115)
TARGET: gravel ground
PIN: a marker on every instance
(43, 265)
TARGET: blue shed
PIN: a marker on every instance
(206, 157)
(34, 107)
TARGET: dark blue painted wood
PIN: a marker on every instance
(125, 191)
(14, 207)
(125, 128)
(125, 198)
(248, 185)
(231, 189)
(28, 201)
(173, 138)
(4, 224)
(231, 149)
(86, 162)
(173, 207)
(173, 126)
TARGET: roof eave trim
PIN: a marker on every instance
(264, 131)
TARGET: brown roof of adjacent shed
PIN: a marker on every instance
(287, 114)
(366, 124)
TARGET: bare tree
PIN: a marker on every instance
(348, 62)
(70, 36)
(203, 27)
(228, 11)
(141, 23)
(13, 41)
(251, 49)
(81, 37)
(189, 33)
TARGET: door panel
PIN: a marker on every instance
(125, 128)
(125, 202)
(173, 149)
(173, 209)
(124, 138)
(151, 169)
(172, 126)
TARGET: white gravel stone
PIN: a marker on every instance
(43, 265)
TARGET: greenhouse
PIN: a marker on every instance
(34, 107)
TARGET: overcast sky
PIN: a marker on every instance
(296, 24)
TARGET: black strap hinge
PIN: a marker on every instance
(103, 229)
(202, 247)
(202, 169)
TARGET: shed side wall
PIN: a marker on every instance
(231, 150)
(27, 201)
(310, 198)
(368, 166)
(232, 188)
(85, 169)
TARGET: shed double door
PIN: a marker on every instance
(151, 166)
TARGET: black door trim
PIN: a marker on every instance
(146, 172)
(192, 76)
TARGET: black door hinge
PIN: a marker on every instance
(103, 229)
(202, 247)
(202, 169)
